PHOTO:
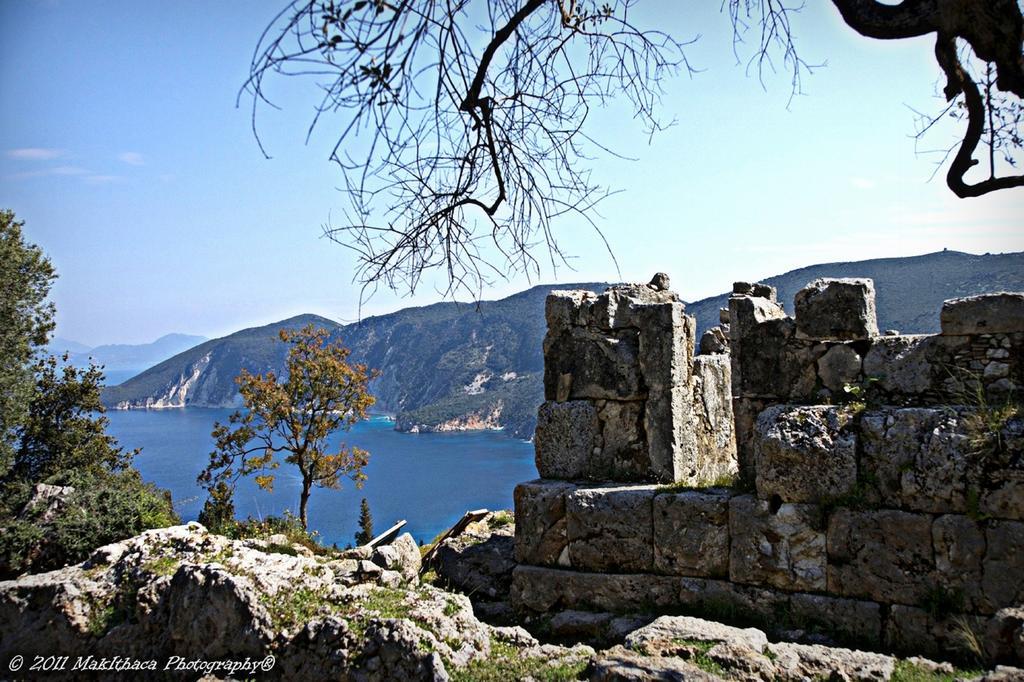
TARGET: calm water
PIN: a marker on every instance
(429, 479)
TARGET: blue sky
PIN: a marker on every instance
(121, 147)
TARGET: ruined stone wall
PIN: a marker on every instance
(882, 491)
(625, 398)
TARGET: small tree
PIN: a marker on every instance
(26, 320)
(321, 394)
(365, 533)
(219, 509)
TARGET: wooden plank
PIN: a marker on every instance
(467, 518)
(387, 536)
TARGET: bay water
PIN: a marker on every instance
(428, 479)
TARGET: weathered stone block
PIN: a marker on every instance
(691, 533)
(623, 455)
(597, 366)
(713, 421)
(916, 458)
(959, 545)
(818, 662)
(849, 619)
(1003, 569)
(804, 454)
(631, 305)
(610, 528)
(842, 309)
(541, 536)
(911, 630)
(714, 341)
(562, 308)
(543, 590)
(901, 364)
(1003, 497)
(566, 436)
(725, 600)
(772, 363)
(838, 367)
(777, 545)
(985, 314)
(882, 555)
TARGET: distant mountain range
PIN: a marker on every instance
(452, 366)
(121, 361)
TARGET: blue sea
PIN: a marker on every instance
(428, 479)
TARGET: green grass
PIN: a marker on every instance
(905, 671)
(165, 565)
(290, 608)
(698, 650)
(388, 603)
(500, 519)
(506, 665)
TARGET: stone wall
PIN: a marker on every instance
(881, 497)
(626, 400)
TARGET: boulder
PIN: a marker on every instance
(839, 309)
(666, 632)
(816, 662)
(1001, 312)
(839, 367)
(402, 555)
(479, 561)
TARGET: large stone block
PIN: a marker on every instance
(542, 590)
(769, 362)
(916, 458)
(632, 305)
(959, 545)
(581, 363)
(849, 620)
(776, 545)
(691, 533)
(1003, 569)
(914, 631)
(881, 555)
(562, 308)
(985, 314)
(566, 437)
(713, 418)
(623, 455)
(541, 536)
(901, 365)
(805, 454)
(610, 529)
(723, 600)
(842, 309)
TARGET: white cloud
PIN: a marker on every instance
(103, 179)
(132, 158)
(34, 154)
(862, 183)
(68, 170)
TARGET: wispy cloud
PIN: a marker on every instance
(862, 183)
(34, 154)
(132, 158)
(67, 170)
(103, 179)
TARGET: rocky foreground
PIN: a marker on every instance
(184, 595)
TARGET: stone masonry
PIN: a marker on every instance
(880, 490)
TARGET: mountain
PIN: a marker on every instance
(59, 346)
(452, 366)
(908, 291)
(121, 361)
